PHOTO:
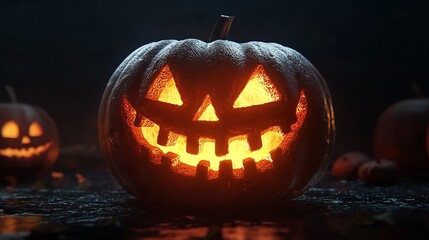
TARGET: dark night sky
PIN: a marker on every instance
(59, 55)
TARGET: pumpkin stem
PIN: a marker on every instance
(221, 29)
(11, 93)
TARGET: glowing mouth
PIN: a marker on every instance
(238, 146)
(240, 158)
(25, 152)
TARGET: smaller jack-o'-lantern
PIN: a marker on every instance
(29, 142)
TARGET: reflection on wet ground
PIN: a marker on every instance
(19, 224)
(330, 210)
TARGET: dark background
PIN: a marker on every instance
(59, 55)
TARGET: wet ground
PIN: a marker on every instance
(96, 208)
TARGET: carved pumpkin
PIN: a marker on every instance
(213, 124)
(400, 135)
(29, 141)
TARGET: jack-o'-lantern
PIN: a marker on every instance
(201, 124)
(29, 141)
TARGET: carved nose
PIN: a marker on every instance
(25, 140)
(206, 111)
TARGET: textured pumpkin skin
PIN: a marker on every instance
(224, 64)
(400, 135)
(34, 166)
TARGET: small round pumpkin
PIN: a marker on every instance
(378, 173)
(347, 165)
(400, 135)
(29, 142)
(199, 124)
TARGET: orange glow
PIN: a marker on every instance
(238, 147)
(10, 130)
(258, 90)
(80, 178)
(25, 140)
(206, 112)
(301, 112)
(57, 174)
(272, 138)
(15, 225)
(35, 130)
(164, 89)
(25, 152)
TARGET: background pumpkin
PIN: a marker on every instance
(347, 165)
(29, 141)
(400, 135)
(206, 76)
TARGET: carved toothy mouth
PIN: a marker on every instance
(238, 146)
(244, 156)
(25, 152)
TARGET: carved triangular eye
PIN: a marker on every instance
(164, 88)
(258, 90)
